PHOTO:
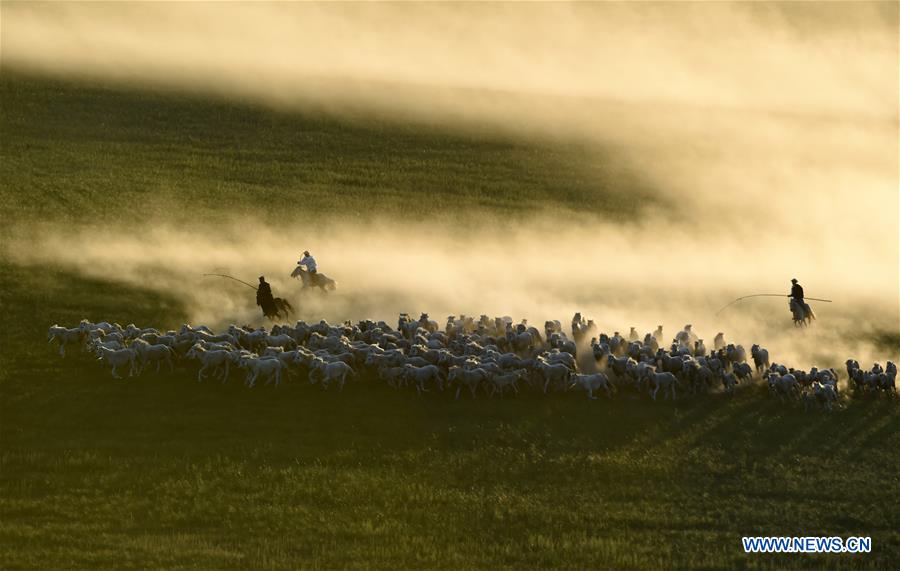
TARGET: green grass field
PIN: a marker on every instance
(164, 472)
(86, 153)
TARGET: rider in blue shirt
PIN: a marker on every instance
(308, 261)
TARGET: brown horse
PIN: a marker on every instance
(281, 310)
(318, 280)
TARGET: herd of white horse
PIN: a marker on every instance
(494, 356)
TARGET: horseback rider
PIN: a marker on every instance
(796, 296)
(265, 299)
(797, 292)
(309, 262)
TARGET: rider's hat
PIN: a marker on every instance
(261, 278)
(305, 252)
(793, 280)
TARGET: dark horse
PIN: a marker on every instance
(281, 310)
(272, 307)
(309, 280)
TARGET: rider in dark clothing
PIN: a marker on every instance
(796, 291)
(264, 297)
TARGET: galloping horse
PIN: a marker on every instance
(318, 280)
(803, 314)
(283, 310)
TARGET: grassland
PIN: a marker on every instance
(86, 153)
(164, 472)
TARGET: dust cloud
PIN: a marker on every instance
(619, 275)
(769, 130)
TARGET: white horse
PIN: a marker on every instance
(329, 372)
(119, 358)
(318, 280)
(65, 337)
(591, 383)
(665, 381)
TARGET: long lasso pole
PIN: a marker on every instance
(232, 278)
(767, 295)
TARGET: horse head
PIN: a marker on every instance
(298, 272)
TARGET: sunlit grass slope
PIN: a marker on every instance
(89, 154)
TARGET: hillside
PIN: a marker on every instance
(113, 154)
(164, 472)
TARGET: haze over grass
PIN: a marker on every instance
(640, 163)
(651, 184)
(765, 134)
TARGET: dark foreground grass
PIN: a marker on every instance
(165, 472)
